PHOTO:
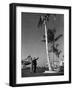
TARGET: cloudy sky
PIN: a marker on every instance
(31, 43)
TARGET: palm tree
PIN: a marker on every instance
(43, 21)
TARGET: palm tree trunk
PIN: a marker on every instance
(47, 48)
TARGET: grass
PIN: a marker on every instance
(39, 72)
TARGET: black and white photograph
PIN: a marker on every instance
(42, 44)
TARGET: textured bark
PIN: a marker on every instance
(47, 47)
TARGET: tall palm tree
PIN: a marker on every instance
(43, 21)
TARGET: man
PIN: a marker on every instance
(34, 64)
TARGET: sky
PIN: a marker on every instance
(32, 35)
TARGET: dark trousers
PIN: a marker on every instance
(34, 67)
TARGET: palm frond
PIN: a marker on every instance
(47, 17)
(58, 53)
(58, 37)
(57, 45)
(40, 23)
(42, 19)
(50, 35)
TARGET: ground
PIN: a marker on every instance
(39, 72)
